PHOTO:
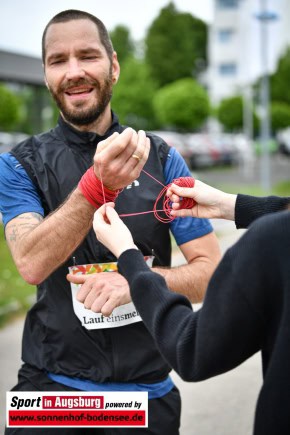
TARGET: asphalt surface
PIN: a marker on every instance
(223, 405)
(250, 172)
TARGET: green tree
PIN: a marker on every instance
(230, 114)
(122, 42)
(183, 104)
(176, 45)
(279, 81)
(280, 116)
(9, 109)
(133, 95)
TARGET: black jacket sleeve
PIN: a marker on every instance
(213, 340)
(248, 208)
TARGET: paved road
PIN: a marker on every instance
(220, 406)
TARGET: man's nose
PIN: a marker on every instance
(74, 70)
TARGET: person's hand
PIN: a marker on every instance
(111, 231)
(102, 292)
(210, 202)
(120, 158)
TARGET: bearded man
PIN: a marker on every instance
(50, 187)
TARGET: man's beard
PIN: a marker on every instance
(84, 117)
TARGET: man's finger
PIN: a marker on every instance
(141, 151)
(108, 307)
(104, 143)
(76, 279)
(118, 145)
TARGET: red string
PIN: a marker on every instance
(166, 208)
(184, 203)
(94, 190)
(97, 194)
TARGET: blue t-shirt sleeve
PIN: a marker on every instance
(17, 192)
(183, 229)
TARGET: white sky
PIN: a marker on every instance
(23, 21)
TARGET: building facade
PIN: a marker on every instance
(235, 45)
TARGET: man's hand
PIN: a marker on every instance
(102, 292)
(120, 158)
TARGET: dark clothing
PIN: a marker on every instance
(163, 413)
(246, 310)
(54, 339)
(248, 208)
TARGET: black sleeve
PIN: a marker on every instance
(248, 208)
(201, 344)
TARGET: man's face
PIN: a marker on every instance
(78, 72)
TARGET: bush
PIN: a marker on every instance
(183, 104)
(9, 109)
(230, 114)
(133, 95)
(280, 116)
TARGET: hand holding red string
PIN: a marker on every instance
(185, 202)
(166, 205)
(209, 202)
(118, 162)
(111, 231)
(120, 158)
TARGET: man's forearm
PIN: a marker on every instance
(39, 248)
(191, 280)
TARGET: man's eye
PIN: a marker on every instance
(56, 62)
(89, 57)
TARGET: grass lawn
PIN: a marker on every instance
(280, 189)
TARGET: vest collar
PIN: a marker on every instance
(73, 136)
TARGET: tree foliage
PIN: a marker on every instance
(176, 45)
(122, 42)
(280, 89)
(280, 116)
(230, 114)
(183, 104)
(133, 95)
(9, 109)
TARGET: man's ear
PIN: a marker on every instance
(46, 83)
(44, 77)
(115, 68)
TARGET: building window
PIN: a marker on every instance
(227, 4)
(228, 69)
(225, 35)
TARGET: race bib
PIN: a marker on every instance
(121, 316)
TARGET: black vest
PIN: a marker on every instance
(54, 339)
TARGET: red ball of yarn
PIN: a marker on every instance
(185, 182)
(185, 202)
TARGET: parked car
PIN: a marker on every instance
(205, 150)
(214, 149)
(283, 140)
(201, 150)
(226, 145)
(176, 140)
